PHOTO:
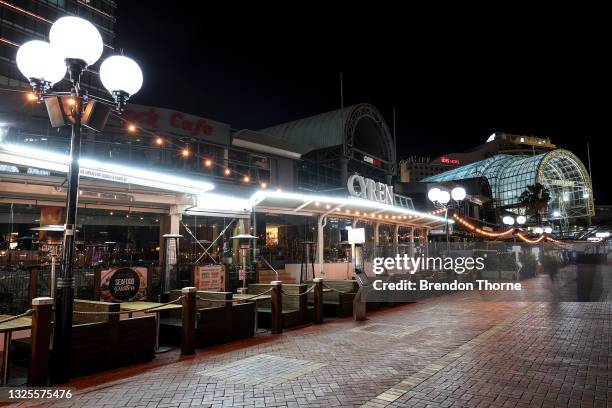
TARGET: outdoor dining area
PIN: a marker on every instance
(107, 335)
(147, 283)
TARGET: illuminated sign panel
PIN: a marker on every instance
(372, 161)
(356, 235)
(368, 189)
(448, 160)
(179, 123)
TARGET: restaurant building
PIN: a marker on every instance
(157, 171)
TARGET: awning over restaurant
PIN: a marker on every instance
(239, 201)
(279, 202)
(101, 170)
(312, 204)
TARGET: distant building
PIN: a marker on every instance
(498, 143)
(416, 168)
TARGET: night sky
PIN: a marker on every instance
(453, 81)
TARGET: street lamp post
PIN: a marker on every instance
(442, 199)
(74, 44)
(510, 221)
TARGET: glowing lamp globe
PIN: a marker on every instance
(521, 219)
(119, 73)
(538, 230)
(434, 194)
(38, 60)
(76, 38)
(508, 220)
(458, 193)
(548, 230)
(444, 197)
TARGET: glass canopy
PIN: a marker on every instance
(509, 175)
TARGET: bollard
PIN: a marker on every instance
(318, 300)
(38, 373)
(359, 307)
(277, 307)
(188, 313)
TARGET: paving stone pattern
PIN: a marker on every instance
(458, 350)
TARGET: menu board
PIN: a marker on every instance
(209, 277)
(124, 284)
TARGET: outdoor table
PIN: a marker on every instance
(23, 323)
(141, 306)
(240, 297)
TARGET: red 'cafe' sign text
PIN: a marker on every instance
(183, 124)
(178, 120)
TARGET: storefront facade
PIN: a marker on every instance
(273, 184)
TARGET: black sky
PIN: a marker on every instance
(454, 75)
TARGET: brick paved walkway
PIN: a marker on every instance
(454, 350)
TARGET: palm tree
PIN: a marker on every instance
(535, 199)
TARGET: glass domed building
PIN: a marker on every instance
(509, 175)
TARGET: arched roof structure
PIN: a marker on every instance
(360, 128)
(509, 175)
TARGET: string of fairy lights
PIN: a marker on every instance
(515, 232)
(185, 151)
(161, 141)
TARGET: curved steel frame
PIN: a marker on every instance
(364, 111)
(559, 170)
(572, 192)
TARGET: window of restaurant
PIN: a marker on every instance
(104, 238)
(335, 240)
(208, 232)
(386, 234)
(403, 240)
(281, 237)
(368, 250)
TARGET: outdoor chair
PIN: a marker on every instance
(335, 303)
(295, 309)
(217, 322)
